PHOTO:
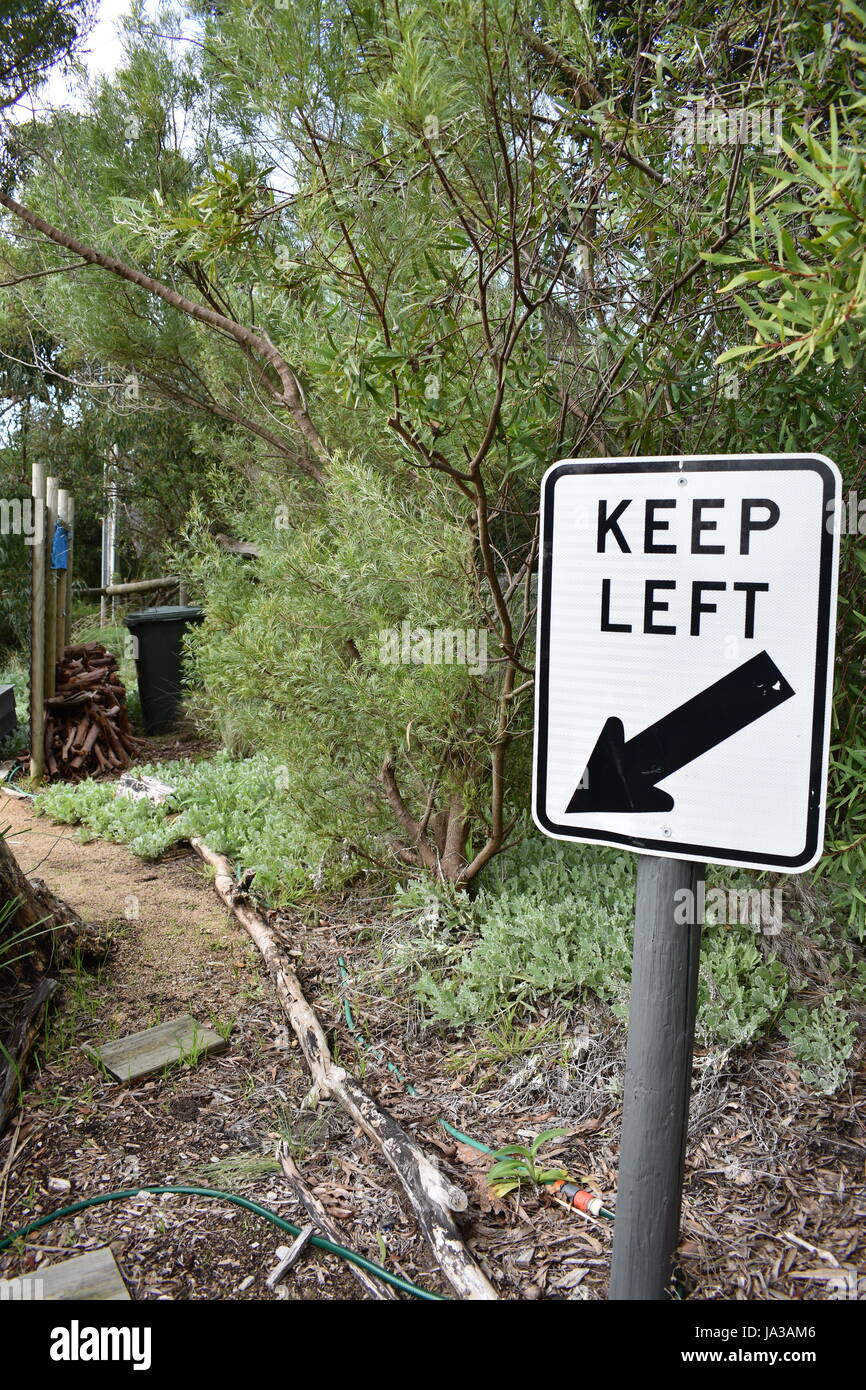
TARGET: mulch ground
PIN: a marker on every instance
(774, 1191)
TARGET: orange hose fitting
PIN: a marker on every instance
(577, 1196)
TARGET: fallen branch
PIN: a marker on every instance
(17, 1050)
(290, 1256)
(433, 1198)
(316, 1212)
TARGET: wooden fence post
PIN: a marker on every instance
(37, 626)
(52, 487)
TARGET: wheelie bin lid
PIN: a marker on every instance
(168, 614)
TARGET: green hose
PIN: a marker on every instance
(466, 1138)
(319, 1241)
(10, 775)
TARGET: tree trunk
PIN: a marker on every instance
(40, 928)
(18, 1047)
(15, 888)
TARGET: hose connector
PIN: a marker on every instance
(577, 1197)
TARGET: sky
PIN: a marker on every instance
(100, 54)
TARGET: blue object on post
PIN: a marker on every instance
(60, 546)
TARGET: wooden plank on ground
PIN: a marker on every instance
(141, 1054)
(92, 1276)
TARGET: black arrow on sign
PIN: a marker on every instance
(622, 776)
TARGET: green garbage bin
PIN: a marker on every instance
(159, 634)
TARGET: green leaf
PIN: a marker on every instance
(730, 353)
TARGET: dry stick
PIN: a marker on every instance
(141, 586)
(19, 1048)
(14, 1151)
(433, 1198)
(291, 1258)
(314, 1209)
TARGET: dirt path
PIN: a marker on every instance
(77, 1134)
(177, 938)
(774, 1188)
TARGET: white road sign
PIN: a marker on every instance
(685, 654)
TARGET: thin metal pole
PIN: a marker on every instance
(657, 1078)
(104, 576)
(112, 553)
(67, 637)
(104, 569)
(37, 627)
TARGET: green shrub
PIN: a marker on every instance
(15, 560)
(293, 657)
(551, 920)
(548, 921)
(739, 993)
(238, 807)
(822, 1039)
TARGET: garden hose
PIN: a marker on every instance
(319, 1241)
(466, 1138)
(9, 777)
(575, 1196)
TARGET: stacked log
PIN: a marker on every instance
(87, 727)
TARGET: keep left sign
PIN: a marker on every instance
(685, 655)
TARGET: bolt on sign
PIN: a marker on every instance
(685, 655)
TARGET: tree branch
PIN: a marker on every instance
(259, 342)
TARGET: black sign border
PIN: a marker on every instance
(684, 464)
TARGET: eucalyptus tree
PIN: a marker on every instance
(34, 35)
(395, 259)
(800, 282)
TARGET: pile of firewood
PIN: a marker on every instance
(86, 722)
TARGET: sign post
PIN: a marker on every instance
(684, 675)
(658, 1072)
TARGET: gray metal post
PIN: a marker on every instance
(657, 1081)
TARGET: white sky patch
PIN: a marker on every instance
(101, 54)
